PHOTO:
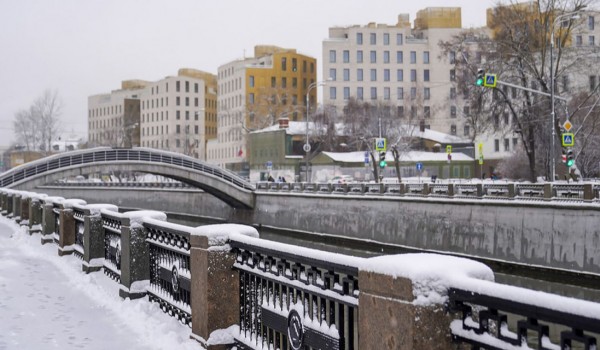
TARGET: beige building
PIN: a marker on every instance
(178, 113)
(254, 93)
(114, 118)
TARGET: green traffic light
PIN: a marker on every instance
(382, 164)
(479, 82)
(570, 162)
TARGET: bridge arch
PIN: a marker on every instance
(223, 184)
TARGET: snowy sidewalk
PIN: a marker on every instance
(46, 302)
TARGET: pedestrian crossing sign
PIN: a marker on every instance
(381, 144)
(568, 139)
(490, 80)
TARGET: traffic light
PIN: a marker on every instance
(382, 162)
(480, 77)
(570, 158)
(564, 156)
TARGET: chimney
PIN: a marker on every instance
(284, 123)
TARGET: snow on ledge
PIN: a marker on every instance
(54, 199)
(95, 209)
(136, 218)
(431, 274)
(167, 225)
(70, 203)
(220, 233)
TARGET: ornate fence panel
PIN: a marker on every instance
(288, 299)
(56, 234)
(529, 191)
(170, 273)
(78, 215)
(112, 245)
(568, 192)
(466, 191)
(497, 191)
(492, 322)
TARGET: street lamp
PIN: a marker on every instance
(571, 15)
(306, 147)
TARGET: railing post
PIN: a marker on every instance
(66, 234)
(425, 189)
(17, 207)
(479, 190)
(93, 240)
(25, 201)
(588, 192)
(215, 285)
(547, 192)
(10, 208)
(450, 190)
(134, 261)
(512, 190)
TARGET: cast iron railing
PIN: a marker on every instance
(112, 245)
(294, 301)
(170, 273)
(492, 322)
(78, 216)
(56, 233)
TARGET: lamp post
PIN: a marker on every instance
(571, 15)
(306, 147)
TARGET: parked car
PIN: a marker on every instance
(341, 179)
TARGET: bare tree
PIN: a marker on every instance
(37, 126)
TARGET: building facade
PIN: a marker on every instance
(254, 93)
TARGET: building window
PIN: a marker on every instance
(359, 74)
(346, 74)
(177, 101)
(359, 38)
(195, 103)
(386, 57)
(332, 93)
(187, 101)
(426, 57)
(400, 75)
(578, 40)
(177, 115)
(453, 93)
(426, 94)
(400, 111)
(373, 39)
(332, 74)
(294, 82)
(426, 75)
(515, 142)
(466, 130)
(592, 82)
(413, 111)
(591, 23)
(399, 39)
(496, 145)
(178, 129)
(452, 111)
(359, 56)
(452, 57)
(413, 57)
(400, 93)
(506, 145)
(273, 82)
(359, 93)
(427, 112)
(373, 93)
(177, 86)
(386, 93)
(399, 57)
(187, 86)
(591, 40)
(196, 129)
(373, 74)
(187, 115)
(373, 56)
(346, 56)
(251, 81)
(294, 65)
(251, 98)
(386, 75)
(452, 75)
(331, 56)
(284, 63)
(386, 38)
(346, 93)
(452, 129)
(466, 111)
(284, 83)
(413, 75)
(195, 87)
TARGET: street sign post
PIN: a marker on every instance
(448, 149)
(567, 125)
(419, 170)
(380, 144)
(490, 81)
(568, 139)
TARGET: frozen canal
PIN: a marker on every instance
(46, 302)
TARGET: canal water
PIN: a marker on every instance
(570, 285)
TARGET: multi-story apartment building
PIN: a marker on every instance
(114, 118)
(254, 93)
(398, 66)
(178, 113)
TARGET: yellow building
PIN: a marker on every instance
(254, 92)
(438, 17)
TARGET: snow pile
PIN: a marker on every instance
(431, 274)
(53, 200)
(219, 234)
(70, 203)
(136, 218)
(95, 209)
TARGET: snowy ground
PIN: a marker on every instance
(46, 302)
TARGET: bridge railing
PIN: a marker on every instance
(170, 271)
(79, 213)
(278, 284)
(586, 192)
(103, 154)
(112, 224)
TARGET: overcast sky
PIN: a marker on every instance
(83, 48)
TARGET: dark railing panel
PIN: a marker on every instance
(112, 245)
(170, 273)
(492, 322)
(280, 290)
(56, 234)
(78, 215)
